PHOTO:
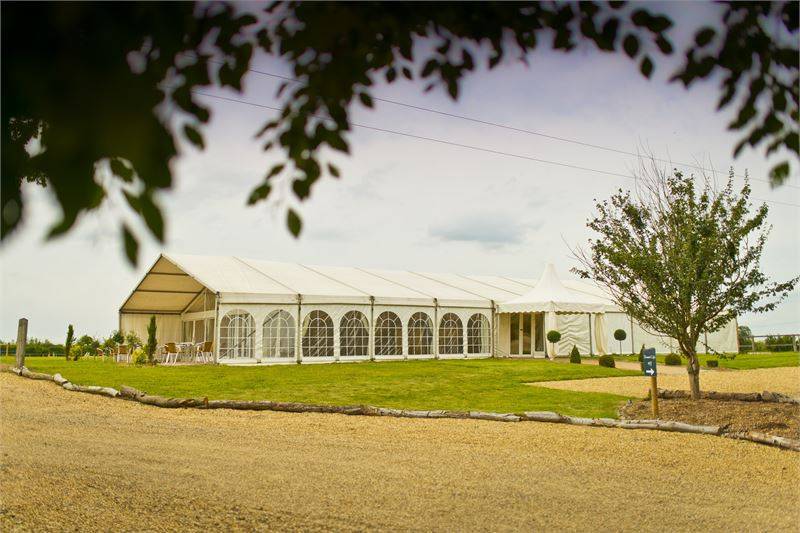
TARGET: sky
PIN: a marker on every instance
(405, 203)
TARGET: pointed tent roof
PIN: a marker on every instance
(550, 294)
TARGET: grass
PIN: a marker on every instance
(743, 361)
(484, 385)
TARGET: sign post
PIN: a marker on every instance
(649, 369)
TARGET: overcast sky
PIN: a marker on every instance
(405, 203)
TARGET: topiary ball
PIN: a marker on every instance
(606, 361)
(553, 336)
(575, 355)
(712, 363)
(620, 335)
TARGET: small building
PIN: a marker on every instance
(258, 311)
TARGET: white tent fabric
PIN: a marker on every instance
(551, 295)
(255, 306)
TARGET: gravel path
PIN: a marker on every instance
(785, 380)
(74, 461)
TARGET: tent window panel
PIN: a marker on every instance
(198, 331)
(451, 335)
(187, 332)
(237, 335)
(278, 335)
(353, 335)
(539, 331)
(210, 329)
(514, 326)
(420, 334)
(317, 335)
(388, 334)
(478, 334)
(526, 333)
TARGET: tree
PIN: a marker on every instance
(68, 342)
(132, 339)
(620, 335)
(151, 340)
(745, 337)
(553, 337)
(140, 64)
(682, 259)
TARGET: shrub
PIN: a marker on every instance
(68, 344)
(641, 354)
(151, 340)
(139, 357)
(672, 359)
(553, 336)
(76, 351)
(606, 360)
(575, 355)
(132, 339)
(712, 363)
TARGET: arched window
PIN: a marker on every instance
(353, 334)
(237, 335)
(277, 338)
(420, 334)
(451, 335)
(317, 335)
(478, 334)
(388, 334)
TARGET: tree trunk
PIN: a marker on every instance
(693, 368)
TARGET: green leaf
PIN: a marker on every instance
(131, 245)
(779, 173)
(407, 73)
(152, 216)
(194, 136)
(429, 67)
(704, 36)
(121, 170)
(275, 170)
(391, 74)
(259, 193)
(333, 170)
(336, 142)
(294, 223)
(664, 45)
(646, 67)
(365, 99)
(631, 45)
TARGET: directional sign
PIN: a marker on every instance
(649, 362)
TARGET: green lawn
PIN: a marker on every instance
(743, 361)
(486, 385)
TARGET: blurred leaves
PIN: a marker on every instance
(136, 58)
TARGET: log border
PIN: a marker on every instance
(132, 394)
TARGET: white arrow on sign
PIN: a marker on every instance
(649, 372)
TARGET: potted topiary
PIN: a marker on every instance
(620, 335)
(553, 337)
(575, 355)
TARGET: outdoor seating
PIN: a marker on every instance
(170, 352)
(204, 352)
(123, 353)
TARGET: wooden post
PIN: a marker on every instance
(22, 341)
(654, 395)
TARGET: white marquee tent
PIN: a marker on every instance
(251, 309)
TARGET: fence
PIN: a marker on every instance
(789, 342)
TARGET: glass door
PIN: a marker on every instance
(521, 334)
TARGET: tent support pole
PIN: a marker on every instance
(633, 345)
(372, 328)
(493, 332)
(297, 346)
(217, 328)
(591, 349)
(435, 328)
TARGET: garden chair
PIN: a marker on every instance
(100, 352)
(170, 351)
(205, 352)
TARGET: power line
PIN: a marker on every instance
(460, 145)
(521, 130)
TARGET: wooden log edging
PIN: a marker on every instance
(766, 396)
(132, 394)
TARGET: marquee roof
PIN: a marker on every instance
(175, 281)
(552, 294)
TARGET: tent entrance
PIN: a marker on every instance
(526, 332)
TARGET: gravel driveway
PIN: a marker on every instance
(74, 461)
